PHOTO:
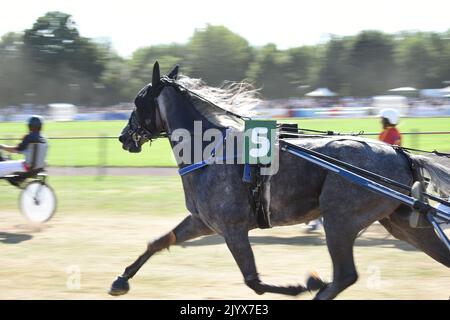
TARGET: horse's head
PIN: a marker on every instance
(145, 121)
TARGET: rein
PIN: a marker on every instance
(435, 152)
(323, 134)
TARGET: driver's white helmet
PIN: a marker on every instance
(391, 115)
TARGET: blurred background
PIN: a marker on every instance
(51, 69)
(50, 66)
(325, 65)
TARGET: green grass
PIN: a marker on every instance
(90, 152)
(93, 152)
(150, 195)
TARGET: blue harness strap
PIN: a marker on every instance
(204, 163)
(199, 165)
(247, 175)
(192, 167)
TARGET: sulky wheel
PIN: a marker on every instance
(37, 202)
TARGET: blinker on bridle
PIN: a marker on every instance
(141, 133)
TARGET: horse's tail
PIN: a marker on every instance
(438, 168)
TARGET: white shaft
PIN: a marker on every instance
(9, 167)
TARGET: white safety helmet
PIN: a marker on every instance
(391, 115)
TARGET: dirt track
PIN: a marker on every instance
(80, 252)
(76, 256)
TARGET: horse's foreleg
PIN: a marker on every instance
(239, 245)
(189, 228)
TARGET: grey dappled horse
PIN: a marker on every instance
(219, 201)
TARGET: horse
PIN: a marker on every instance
(220, 202)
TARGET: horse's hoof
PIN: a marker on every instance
(296, 290)
(314, 282)
(119, 287)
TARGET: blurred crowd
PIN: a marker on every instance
(281, 108)
(354, 107)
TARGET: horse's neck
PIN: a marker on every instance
(182, 119)
(178, 113)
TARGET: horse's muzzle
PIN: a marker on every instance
(129, 144)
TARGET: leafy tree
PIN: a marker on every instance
(54, 39)
(141, 64)
(334, 72)
(269, 72)
(116, 78)
(16, 76)
(414, 61)
(217, 54)
(300, 69)
(371, 64)
(64, 60)
(52, 62)
(423, 59)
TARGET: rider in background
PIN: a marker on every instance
(34, 136)
(389, 120)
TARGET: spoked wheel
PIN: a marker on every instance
(37, 202)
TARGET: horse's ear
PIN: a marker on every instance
(174, 73)
(156, 75)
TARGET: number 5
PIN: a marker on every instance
(259, 137)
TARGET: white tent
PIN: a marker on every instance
(446, 90)
(62, 111)
(403, 89)
(321, 92)
(400, 103)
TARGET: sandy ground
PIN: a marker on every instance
(77, 256)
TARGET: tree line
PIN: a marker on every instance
(52, 62)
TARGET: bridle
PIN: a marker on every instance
(139, 132)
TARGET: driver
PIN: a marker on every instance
(34, 136)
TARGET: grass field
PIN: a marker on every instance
(102, 225)
(109, 195)
(90, 152)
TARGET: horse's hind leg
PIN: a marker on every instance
(238, 242)
(189, 228)
(345, 214)
(424, 239)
